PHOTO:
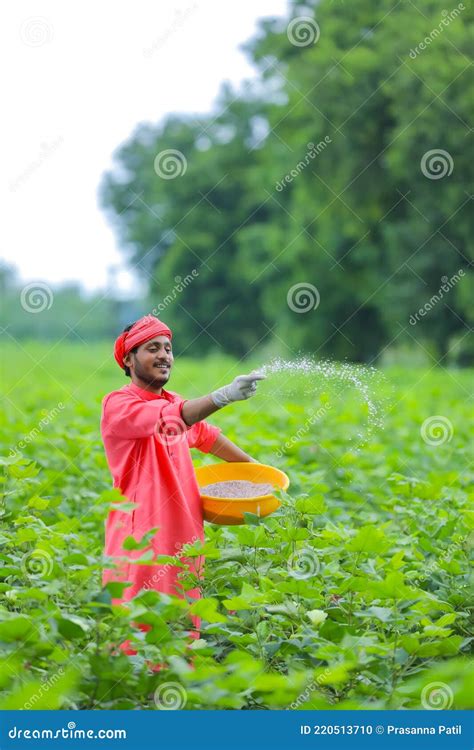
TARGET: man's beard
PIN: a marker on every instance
(154, 380)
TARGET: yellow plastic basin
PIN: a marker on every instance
(230, 510)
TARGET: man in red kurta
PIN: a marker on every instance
(147, 433)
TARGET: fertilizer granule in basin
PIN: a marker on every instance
(236, 488)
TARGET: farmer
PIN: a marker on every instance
(147, 433)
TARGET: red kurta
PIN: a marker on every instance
(147, 447)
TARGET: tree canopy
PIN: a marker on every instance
(323, 204)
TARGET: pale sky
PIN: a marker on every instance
(78, 77)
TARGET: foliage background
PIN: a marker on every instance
(376, 536)
(386, 527)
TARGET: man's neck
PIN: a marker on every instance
(156, 389)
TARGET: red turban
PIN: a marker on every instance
(143, 330)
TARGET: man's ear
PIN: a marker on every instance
(127, 359)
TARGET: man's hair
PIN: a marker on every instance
(132, 351)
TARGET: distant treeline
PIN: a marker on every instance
(38, 310)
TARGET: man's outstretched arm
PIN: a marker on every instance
(197, 409)
(241, 388)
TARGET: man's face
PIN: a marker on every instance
(152, 362)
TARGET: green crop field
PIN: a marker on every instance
(354, 594)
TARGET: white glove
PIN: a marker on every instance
(242, 387)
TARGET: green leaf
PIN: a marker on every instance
(393, 587)
(169, 560)
(47, 695)
(116, 588)
(207, 609)
(72, 626)
(369, 539)
(384, 614)
(20, 628)
(23, 469)
(26, 535)
(124, 506)
(148, 558)
(410, 643)
(130, 543)
(39, 503)
(447, 619)
(311, 505)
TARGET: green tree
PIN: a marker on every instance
(257, 211)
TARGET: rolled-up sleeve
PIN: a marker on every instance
(202, 436)
(126, 418)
